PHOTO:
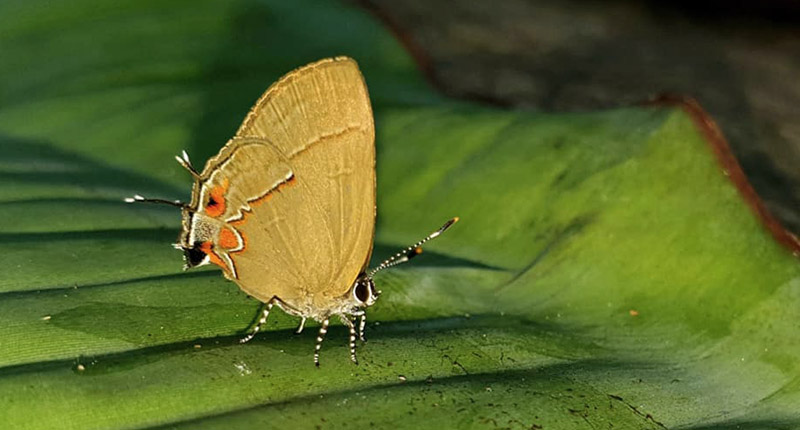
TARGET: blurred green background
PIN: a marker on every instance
(605, 274)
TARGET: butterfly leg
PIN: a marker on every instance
(302, 325)
(322, 330)
(264, 315)
(350, 325)
(362, 324)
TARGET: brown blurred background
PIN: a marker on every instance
(741, 60)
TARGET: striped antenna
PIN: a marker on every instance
(139, 199)
(410, 252)
(184, 161)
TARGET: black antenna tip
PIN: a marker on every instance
(445, 227)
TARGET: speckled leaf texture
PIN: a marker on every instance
(606, 272)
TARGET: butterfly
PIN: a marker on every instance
(287, 208)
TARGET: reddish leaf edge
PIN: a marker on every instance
(730, 165)
(700, 117)
(419, 55)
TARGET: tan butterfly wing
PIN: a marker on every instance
(307, 214)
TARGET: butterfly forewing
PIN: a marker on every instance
(306, 206)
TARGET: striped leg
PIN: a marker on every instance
(362, 323)
(346, 321)
(264, 315)
(322, 330)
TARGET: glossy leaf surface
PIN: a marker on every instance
(604, 272)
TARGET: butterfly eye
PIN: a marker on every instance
(361, 291)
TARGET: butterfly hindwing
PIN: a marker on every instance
(298, 185)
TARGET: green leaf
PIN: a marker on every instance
(606, 272)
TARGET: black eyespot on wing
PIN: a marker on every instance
(193, 256)
(362, 291)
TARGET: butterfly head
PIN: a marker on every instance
(195, 239)
(197, 231)
(364, 293)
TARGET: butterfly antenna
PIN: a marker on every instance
(139, 199)
(184, 161)
(410, 252)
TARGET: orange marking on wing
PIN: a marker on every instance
(267, 197)
(240, 221)
(262, 199)
(212, 256)
(216, 201)
(244, 245)
(246, 214)
(244, 238)
(228, 239)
